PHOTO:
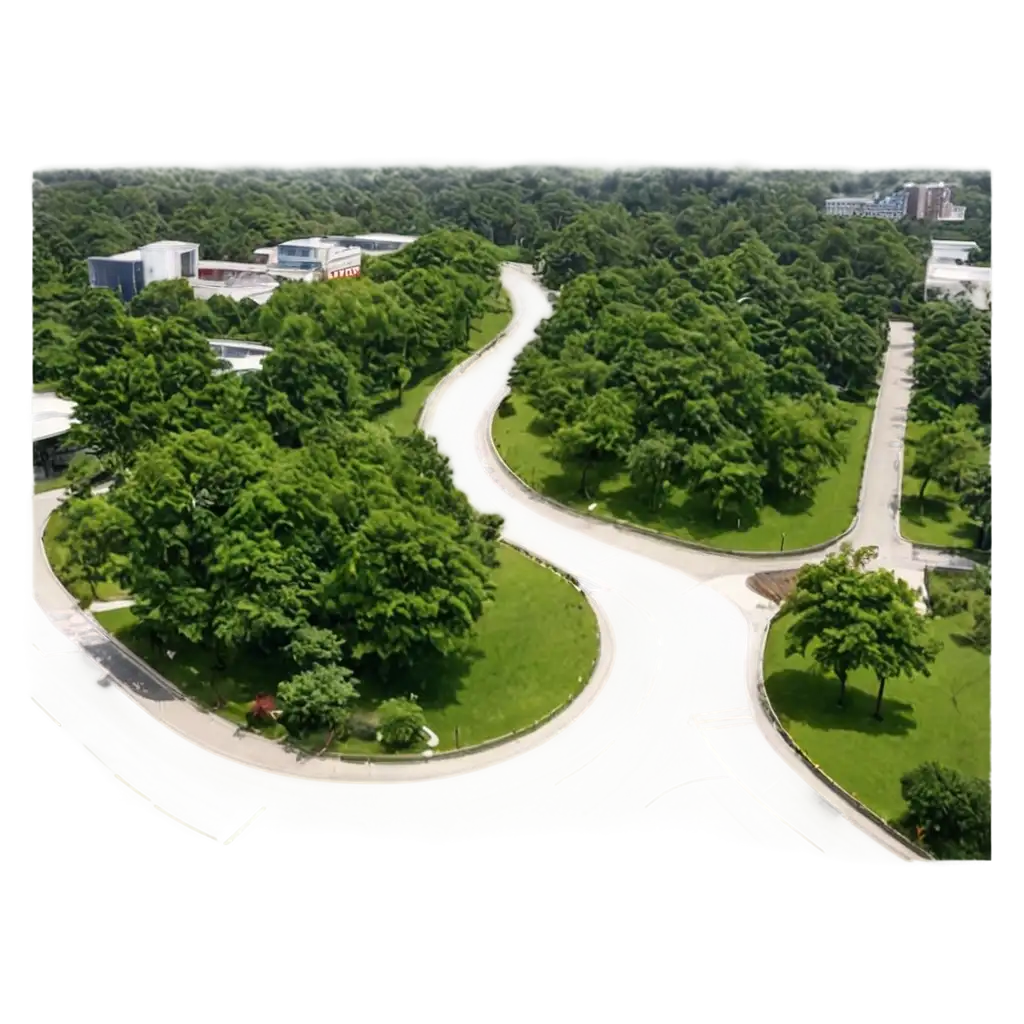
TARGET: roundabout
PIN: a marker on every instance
(667, 737)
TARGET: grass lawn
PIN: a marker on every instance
(937, 518)
(943, 718)
(524, 445)
(45, 385)
(534, 648)
(57, 553)
(402, 418)
(53, 484)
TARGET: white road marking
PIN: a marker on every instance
(48, 715)
(724, 715)
(682, 785)
(593, 760)
(719, 726)
(750, 793)
(159, 810)
(355, 844)
(246, 825)
(53, 653)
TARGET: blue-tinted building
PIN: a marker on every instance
(127, 273)
(122, 273)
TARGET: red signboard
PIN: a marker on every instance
(344, 272)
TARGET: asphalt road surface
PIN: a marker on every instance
(665, 742)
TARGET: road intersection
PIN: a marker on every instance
(668, 735)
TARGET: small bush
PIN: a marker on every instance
(401, 722)
(261, 709)
(317, 700)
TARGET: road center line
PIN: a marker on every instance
(246, 825)
(158, 809)
(750, 793)
(682, 785)
(48, 715)
(593, 760)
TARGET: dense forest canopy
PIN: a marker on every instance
(708, 324)
(573, 220)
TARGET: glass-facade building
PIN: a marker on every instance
(124, 276)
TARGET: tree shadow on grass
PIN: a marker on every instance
(442, 679)
(811, 699)
(937, 510)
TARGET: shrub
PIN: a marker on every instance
(981, 632)
(262, 708)
(317, 700)
(401, 722)
(951, 812)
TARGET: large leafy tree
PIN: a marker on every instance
(852, 618)
(952, 812)
(949, 451)
(405, 585)
(976, 500)
(727, 476)
(604, 430)
(651, 463)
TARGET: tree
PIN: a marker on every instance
(981, 630)
(401, 722)
(900, 642)
(651, 463)
(828, 616)
(97, 536)
(976, 501)
(311, 646)
(948, 452)
(318, 700)
(727, 476)
(603, 430)
(953, 810)
(802, 441)
(406, 583)
(851, 618)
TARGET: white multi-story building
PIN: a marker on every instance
(930, 201)
(127, 273)
(310, 259)
(951, 251)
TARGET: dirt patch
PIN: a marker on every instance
(776, 586)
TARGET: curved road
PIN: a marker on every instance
(665, 739)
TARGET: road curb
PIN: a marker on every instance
(770, 719)
(302, 754)
(621, 524)
(643, 531)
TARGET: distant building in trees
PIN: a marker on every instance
(948, 274)
(127, 273)
(930, 201)
(311, 259)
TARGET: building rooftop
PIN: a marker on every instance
(951, 272)
(164, 244)
(132, 255)
(51, 416)
(240, 344)
(383, 238)
(310, 242)
(241, 268)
